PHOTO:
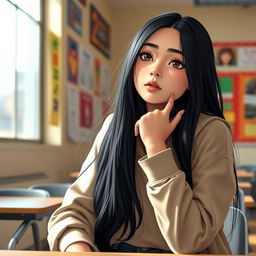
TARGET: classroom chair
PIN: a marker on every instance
(241, 203)
(24, 192)
(54, 189)
(236, 231)
(247, 167)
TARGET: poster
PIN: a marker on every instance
(85, 69)
(86, 110)
(75, 17)
(239, 98)
(55, 79)
(235, 54)
(99, 32)
(247, 107)
(72, 60)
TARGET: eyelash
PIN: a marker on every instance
(172, 61)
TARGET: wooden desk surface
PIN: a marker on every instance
(249, 201)
(46, 253)
(73, 174)
(243, 174)
(13, 204)
(245, 185)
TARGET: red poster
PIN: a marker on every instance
(86, 110)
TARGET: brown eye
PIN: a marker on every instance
(177, 64)
(145, 56)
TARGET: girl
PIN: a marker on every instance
(160, 175)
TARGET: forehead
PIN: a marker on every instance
(166, 38)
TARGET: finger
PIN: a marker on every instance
(176, 120)
(136, 128)
(169, 104)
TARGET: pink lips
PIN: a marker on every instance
(153, 84)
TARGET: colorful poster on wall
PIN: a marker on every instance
(85, 69)
(75, 17)
(72, 60)
(247, 107)
(55, 79)
(239, 97)
(240, 54)
(99, 32)
(86, 110)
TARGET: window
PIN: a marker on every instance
(20, 69)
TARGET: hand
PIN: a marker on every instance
(155, 127)
(79, 247)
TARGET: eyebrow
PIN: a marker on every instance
(168, 50)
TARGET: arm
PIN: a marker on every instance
(190, 219)
(71, 226)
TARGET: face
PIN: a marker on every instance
(160, 69)
(226, 58)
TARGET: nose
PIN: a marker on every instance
(155, 71)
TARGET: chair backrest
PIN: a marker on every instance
(236, 231)
(247, 167)
(54, 189)
(241, 203)
(23, 192)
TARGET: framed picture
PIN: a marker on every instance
(99, 32)
(74, 16)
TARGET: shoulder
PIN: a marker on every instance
(213, 135)
(212, 124)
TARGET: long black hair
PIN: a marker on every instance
(116, 202)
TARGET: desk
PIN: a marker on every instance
(45, 253)
(73, 175)
(249, 201)
(243, 174)
(245, 185)
(27, 209)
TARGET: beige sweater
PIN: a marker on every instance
(175, 217)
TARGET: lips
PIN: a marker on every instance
(153, 84)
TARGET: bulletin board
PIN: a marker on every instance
(88, 78)
(239, 97)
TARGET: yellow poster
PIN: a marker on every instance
(55, 80)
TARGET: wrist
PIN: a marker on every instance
(154, 148)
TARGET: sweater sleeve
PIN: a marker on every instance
(190, 219)
(74, 220)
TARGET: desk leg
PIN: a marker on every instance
(21, 230)
(36, 236)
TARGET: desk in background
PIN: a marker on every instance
(245, 185)
(26, 209)
(73, 175)
(249, 201)
(243, 174)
